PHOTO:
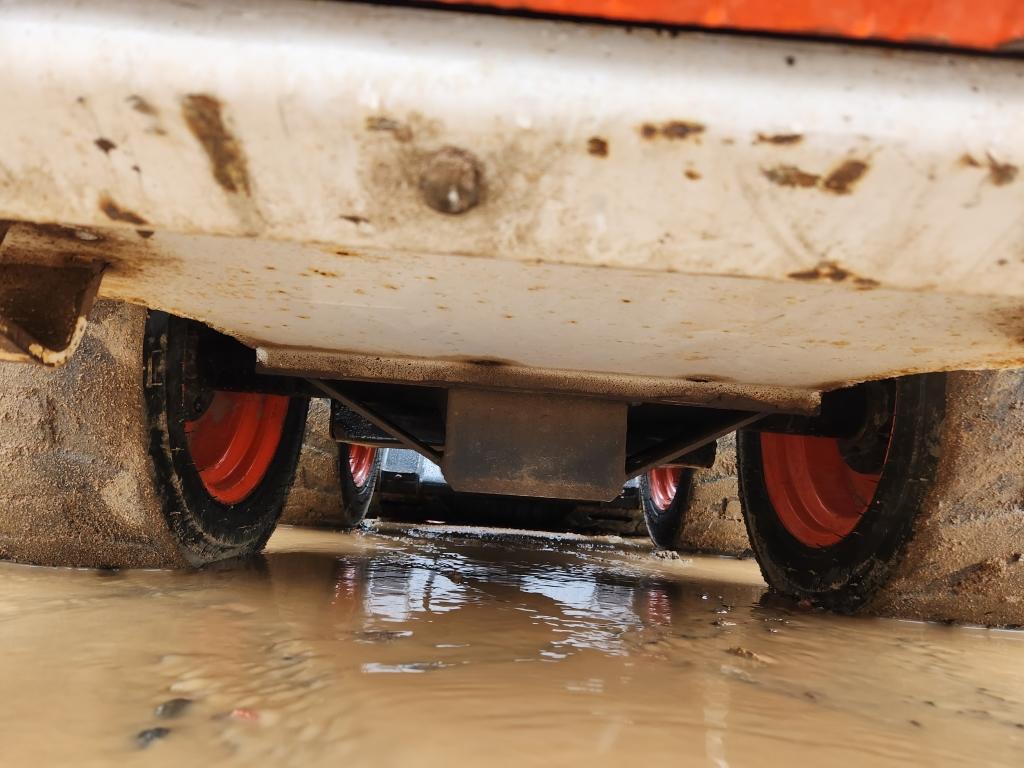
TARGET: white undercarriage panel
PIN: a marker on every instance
(689, 208)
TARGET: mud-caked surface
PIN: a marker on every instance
(964, 559)
(428, 646)
(714, 521)
(76, 481)
(315, 495)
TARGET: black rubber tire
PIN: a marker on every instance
(944, 535)
(845, 575)
(324, 494)
(355, 499)
(205, 528)
(92, 467)
(665, 525)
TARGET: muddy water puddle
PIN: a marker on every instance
(433, 647)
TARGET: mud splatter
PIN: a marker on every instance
(833, 273)
(779, 139)
(204, 116)
(142, 106)
(841, 180)
(999, 173)
(115, 212)
(790, 176)
(672, 130)
(381, 123)
(597, 146)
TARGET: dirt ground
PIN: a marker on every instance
(426, 645)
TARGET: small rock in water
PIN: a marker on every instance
(666, 554)
(381, 635)
(144, 738)
(172, 708)
(746, 653)
(244, 713)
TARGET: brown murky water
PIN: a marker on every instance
(434, 648)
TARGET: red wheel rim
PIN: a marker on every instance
(234, 442)
(360, 463)
(663, 483)
(817, 496)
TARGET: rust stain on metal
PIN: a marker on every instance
(790, 176)
(999, 174)
(825, 270)
(597, 146)
(865, 283)
(105, 145)
(842, 178)
(142, 106)
(115, 212)
(839, 181)
(832, 272)
(780, 139)
(204, 116)
(673, 130)
(400, 131)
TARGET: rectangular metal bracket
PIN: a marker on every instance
(526, 444)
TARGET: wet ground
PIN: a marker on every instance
(430, 646)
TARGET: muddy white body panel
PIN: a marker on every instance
(781, 217)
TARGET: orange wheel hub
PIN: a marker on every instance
(234, 442)
(818, 497)
(664, 483)
(360, 463)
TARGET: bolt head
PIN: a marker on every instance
(451, 181)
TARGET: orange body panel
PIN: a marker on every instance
(979, 24)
